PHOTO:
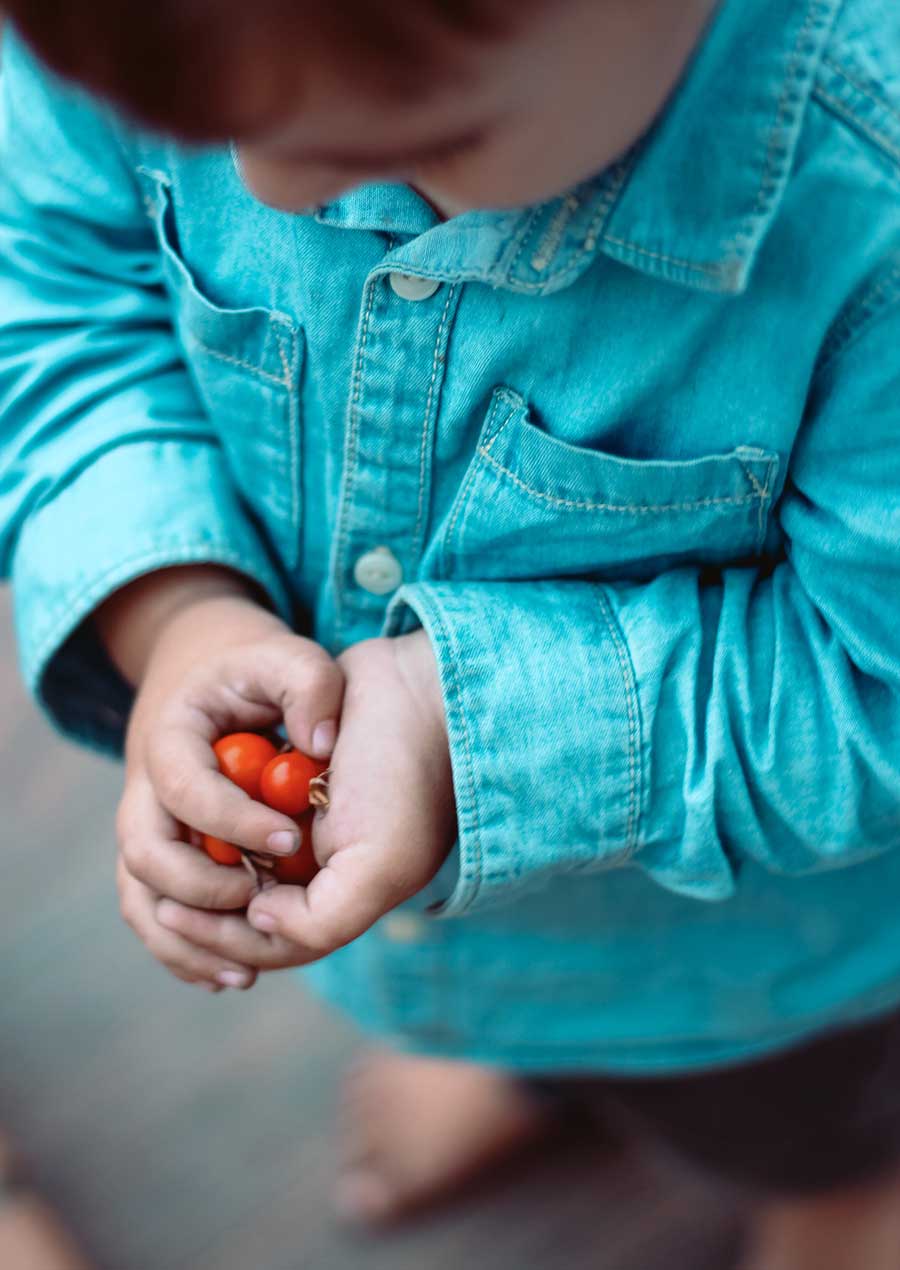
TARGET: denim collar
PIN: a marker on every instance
(690, 203)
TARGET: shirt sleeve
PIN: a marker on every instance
(687, 724)
(108, 466)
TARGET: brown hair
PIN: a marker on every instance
(202, 68)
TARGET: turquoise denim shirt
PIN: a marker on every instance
(632, 459)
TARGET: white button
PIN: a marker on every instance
(403, 928)
(410, 287)
(378, 571)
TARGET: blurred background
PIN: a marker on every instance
(173, 1129)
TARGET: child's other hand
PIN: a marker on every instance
(389, 827)
(222, 664)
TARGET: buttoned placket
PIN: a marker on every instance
(395, 389)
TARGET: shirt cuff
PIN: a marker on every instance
(544, 728)
(139, 507)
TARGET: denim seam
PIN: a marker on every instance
(632, 707)
(768, 181)
(520, 248)
(589, 242)
(514, 400)
(866, 90)
(765, 500)
(880, 139)
(854, 322)
(463, 495)
(279, 381)
(423, 440)
(489, 433)
(472, 883)
(461, 500)
(619, 176)
(291, 365)
(763, 493)
(517, 403)
(350, 458)
(286, 359)
(553, 234)
(759, 489)
(712, 270)
(636, 508)
(213, 549)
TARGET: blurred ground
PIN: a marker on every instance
(176, 1130)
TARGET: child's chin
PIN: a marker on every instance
(444, 204)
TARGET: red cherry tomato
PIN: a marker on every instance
(242, 757)
(284, 783)
(299, 869)
(220, 851)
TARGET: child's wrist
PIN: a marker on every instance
(131, 622)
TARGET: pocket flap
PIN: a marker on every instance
(534, 506)
(580, 479)
(255, 340)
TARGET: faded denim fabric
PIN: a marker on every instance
(636, 456)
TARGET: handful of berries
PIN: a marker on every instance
(286, 780)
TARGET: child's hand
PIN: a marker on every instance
(388, 829)
(220, 665)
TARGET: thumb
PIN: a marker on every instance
(311, 697)
(342, 901)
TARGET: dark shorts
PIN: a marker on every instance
(811, 1119)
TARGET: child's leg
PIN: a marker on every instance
(843, 1230)
(31, 1235)
(811, 1137)
(415, 1128)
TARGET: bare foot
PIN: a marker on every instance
(849, 1230)
(414, 1129)
(31, 1236)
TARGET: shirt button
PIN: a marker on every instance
(410, 287)
(378, 571)
(403, 928)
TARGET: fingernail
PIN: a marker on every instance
(323, 738)
(233, 978)
(261, 921)
(283, 842)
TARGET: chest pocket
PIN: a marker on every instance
(246, 364)
(534, 506)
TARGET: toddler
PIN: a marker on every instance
(503, 397)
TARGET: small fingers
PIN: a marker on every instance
(282, 677)
(187, 781)
(229, 935)
(148, 841)
(342, 902)
(312, 693)
(186, 961)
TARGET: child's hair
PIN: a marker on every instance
(202, 68)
